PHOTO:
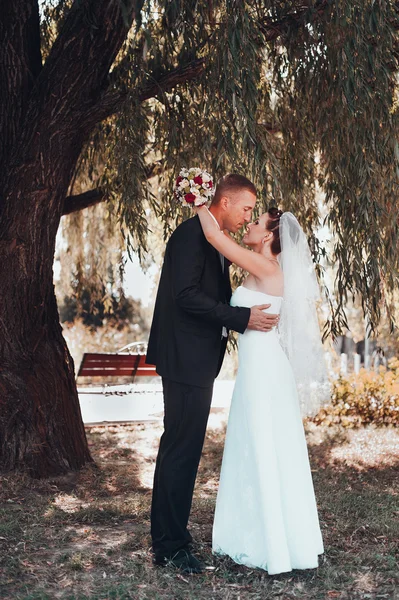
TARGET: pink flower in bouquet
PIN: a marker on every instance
(189, 198)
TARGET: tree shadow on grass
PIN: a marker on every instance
(110, 490)
(355, 480)
(99, 522)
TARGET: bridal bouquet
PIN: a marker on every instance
(194, 187)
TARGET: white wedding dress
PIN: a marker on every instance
(266, 514)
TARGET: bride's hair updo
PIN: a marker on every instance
(273, 225)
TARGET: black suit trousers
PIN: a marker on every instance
(186, 415)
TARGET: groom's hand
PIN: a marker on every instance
(262, 321)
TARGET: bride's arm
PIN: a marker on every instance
(254, 263)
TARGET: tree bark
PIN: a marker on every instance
(41, 428)
(20, 65)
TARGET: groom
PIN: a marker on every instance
(187, 344)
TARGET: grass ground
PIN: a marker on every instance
(86, 536)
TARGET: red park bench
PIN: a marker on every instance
(127, 362)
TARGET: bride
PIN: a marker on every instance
(266, 514)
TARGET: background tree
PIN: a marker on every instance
(114, 91)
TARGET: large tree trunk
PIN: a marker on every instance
(41, 428)
(47, 114)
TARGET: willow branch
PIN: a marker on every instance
(273, 29)
(112, 101)
(84, 200)
(93, 197)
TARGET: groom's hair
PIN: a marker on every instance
(232, 182)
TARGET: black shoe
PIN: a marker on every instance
(182, 560)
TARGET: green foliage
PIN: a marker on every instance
(91, 263)
(117, 310)
(128, 184)
(361, 179)
(370, 397)
(297, 97)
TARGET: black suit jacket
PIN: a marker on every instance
(192, 306)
